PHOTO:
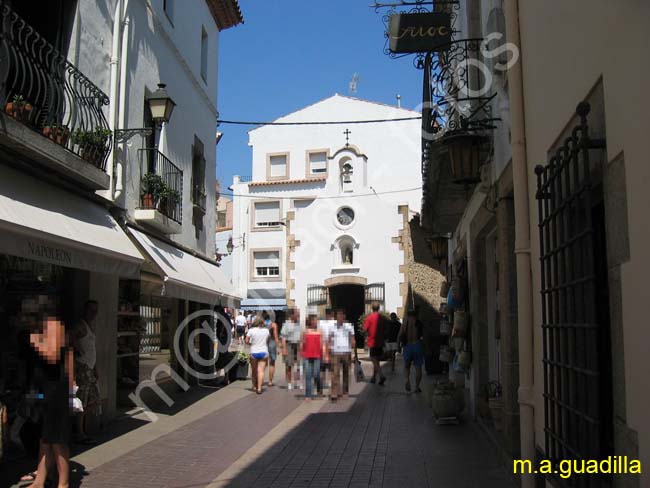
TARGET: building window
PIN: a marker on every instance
(168, 7)
(278, 166)
(317, 162)
(199, 195)
(221, 219)
(266, 264)
(204, 54)
(267, 214)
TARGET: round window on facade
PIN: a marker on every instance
(345, 216)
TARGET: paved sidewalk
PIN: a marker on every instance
(233, 438)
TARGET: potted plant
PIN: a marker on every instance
(93, 144)
(495, 402)
(19, 109)
(152, 188)
(242, 365)
(57, 133)
(169, 198)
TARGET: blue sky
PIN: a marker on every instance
(292, 53)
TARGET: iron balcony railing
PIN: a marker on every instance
(161, 184)
(40, 88)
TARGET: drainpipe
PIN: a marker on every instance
(119, 178)
(112, 110)
(522, 246)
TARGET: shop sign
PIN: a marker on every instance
(420, 32)
(49, 253)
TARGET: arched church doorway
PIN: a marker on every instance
(350, 298)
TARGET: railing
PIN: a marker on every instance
(161, 184)
(40, 88)
(199, 197)
(245, 179)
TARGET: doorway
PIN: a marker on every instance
(350, 298)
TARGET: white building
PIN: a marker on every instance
(320, 223)
(73, 200)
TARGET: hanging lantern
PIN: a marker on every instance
(467, 153)
(161, 105)
(439, 247)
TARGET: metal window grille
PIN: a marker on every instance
(317, 295)
(566, 191)
(375, 292)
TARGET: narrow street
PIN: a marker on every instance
(233, 438)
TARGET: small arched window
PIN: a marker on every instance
(345, 251)
(346, 174)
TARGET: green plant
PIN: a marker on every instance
(96, 138)
(152, 184)
(243, 357)
(170, 195)
(19, 101)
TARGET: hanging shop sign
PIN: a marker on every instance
(420, 32)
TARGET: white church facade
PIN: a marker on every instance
(320, 222)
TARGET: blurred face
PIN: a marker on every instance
(295, 316)
(340, 316)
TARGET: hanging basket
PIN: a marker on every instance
(458, 289)
(445, 327)
(465, 359)
(444, 289)
(445, 354)
(460, 321)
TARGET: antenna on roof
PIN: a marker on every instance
(399, 101)
(354, 82)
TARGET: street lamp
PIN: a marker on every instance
(467, 153)
(161, 107)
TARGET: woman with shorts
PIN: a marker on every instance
(258, 337)
(273, 344)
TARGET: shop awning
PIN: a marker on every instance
(42, 222)
(187, 277)
(263, 304)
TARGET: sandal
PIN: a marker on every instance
(29, 477)
(407, 386)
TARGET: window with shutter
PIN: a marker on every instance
(266, 263)
(317, 163)
(267, 214)
(278, 166)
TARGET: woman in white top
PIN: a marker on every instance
(258, 337)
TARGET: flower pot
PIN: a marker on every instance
(447, 400)
(148, 201)
(60, 135)
(19, 111)
(496, 411)
(445, 327)
(242, 371)
(94, 155)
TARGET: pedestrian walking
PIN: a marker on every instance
(240, 327)
(392, 339)
(325, 326)
(312, 351)
(258, 337)
(53, 383)
(85, 368)
(374, 326)
(340, 344)
(290, 336)
(411, 335)
(274, 339)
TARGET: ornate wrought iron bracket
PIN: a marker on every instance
(125, 135)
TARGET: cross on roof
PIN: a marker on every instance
(347, 137)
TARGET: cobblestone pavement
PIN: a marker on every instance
(379, 437)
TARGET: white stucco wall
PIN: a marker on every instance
(385, 158)
(159, 51)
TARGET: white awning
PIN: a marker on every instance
(253, 304)
(186, 276)
(42, 222)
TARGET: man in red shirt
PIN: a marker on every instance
(374, 327)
